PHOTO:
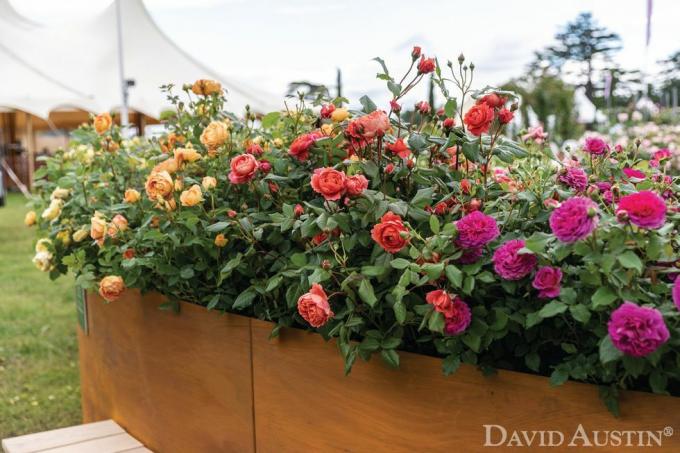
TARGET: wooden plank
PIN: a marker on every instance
(138, 450)
(111, 444)
(59, 437)
(177, 382)
(303, 402)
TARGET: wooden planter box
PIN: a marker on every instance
(201, 381)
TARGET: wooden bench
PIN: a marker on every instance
(99, 437)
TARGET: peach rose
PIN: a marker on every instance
(329, 182)
(209, 182)
(131, 196)
(206, 87)
(118, 223)
(314, 307)
(221, 240)
(97, 227)
(215, 134)
(366, 127)
(170, 165)
(102, 122)
(111, 287)
(159, 185)
(191, 196)
(29, 219)
(186, 154)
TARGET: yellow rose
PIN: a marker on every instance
(191, 196)
(97, 227)
(53, 210)
(111, 287)
(60, 193)
(170, 165)
(215, 134)
(43, 261)
(339, 115)
(186, 154)
(102, 122)
(118, 223)
(81, 234)
(179, 183)
(159, 185)
(327, 130)
(258, 140)
(64, 237)
(29, 218)
(132, 196)
(205, 87)
(43, 245)
(220, 240)
(209, 183)
(278, 143)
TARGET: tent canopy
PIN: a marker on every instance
(44, 67)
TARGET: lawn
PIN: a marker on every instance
(39, 387)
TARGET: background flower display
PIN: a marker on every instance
(397, 228)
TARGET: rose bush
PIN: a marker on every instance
(424, 230)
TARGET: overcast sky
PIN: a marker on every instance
(272, 42)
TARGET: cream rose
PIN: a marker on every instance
(209, 183)
(43, 261)
(60, 193)
(80, 234)
(53, 210)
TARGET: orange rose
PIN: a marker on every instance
(159, 185)
(191, 196)
(170, 165)
(390, 233)
(314, 307)
(215, 134)
(478, 119)
(186, 154)
(131, 196)
(118, 223)
(329, 182)
(111, 287)
(206, 87)
(102, 122)
(220, 240)
(97, 227)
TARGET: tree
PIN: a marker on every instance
(582, 48)
(670, 73)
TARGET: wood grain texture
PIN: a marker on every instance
(177, 382)
(303, 402)
(60, 437)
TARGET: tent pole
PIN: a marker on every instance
(30, 147)
(124, 120)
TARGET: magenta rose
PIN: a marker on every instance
(632, 173)
(637, 331)
(547, 281)
(458, 318)
(596, 146)
(574, 219)
(575, 178)
(475, 230)
(510, 264)
(676, 292)
(644, 209)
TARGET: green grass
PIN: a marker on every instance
(39, 387)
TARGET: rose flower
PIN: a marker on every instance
(111, 287)
(390, 234)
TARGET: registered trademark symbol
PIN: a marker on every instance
(668, 431)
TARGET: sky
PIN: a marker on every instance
(269, 43)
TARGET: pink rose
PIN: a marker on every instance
(596, 146)
(300, 147)
(356, 185)
(510, 264)
(314, 307)
(243, 169)
(547, 281)
(644, 209)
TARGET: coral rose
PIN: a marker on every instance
(440, 300)
(478, 119)
(425, 65)
(206, 87)
(505, 116)
(300, 147)
(367, 127)
(399, 148)
(329, 182)
(131, 196)
(327, 110)
(475, 230)
(644, 209)
(493, 100)
(215, 134)
(111, 287)
(102, 122)
(637, 331)
(547, 281)
(314, 307)
(574, 219)
(390, 234)
(356, 185)
(510, 264)
(243, 169)
(159, 185)
(192, 196)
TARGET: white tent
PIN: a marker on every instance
(43, 68)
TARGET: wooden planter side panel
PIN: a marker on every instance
(177, 382)
(303, 402)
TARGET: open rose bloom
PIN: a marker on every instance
(399, 224)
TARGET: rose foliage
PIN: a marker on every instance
(388, 228)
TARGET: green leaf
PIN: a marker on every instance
(630, 260)
(390, 357)
(454, 275)
(537, 242)
(399, 311)
(471, 151)
(658, 382)
(186, 272)
(366, 292)
(368, 105)
(400, 263)
(552, 308)
(450, 107)
(580, 313)
(608, 352)
(603, 297)
(423, 197)
(298, 259)
(244, 299)
(270, 119)
(436, 322)
(434, 224)
(274, 282)
(558, 377)
(215, 227)
(433, 270)
(472, 340)
(533, 361)
(610, 397)
(450, 364)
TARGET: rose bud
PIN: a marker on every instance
(621, 216)
(326, 264)
(394, 105)
(327, 110)
(592, 190)
(415, 53)
(473, 205)
(410, 163)
(273, 187)
(461, 58)
(265, 166)
(505, 116)
(465, 186)
(426, 65)
(389, 168)
(448, 123)
(254, 149)
(423, 107)
(551, 203)
(128, 254)
(618, 148)
(231, 213)
(298, 210)
(441, 111)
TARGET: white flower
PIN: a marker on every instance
(43, 261)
